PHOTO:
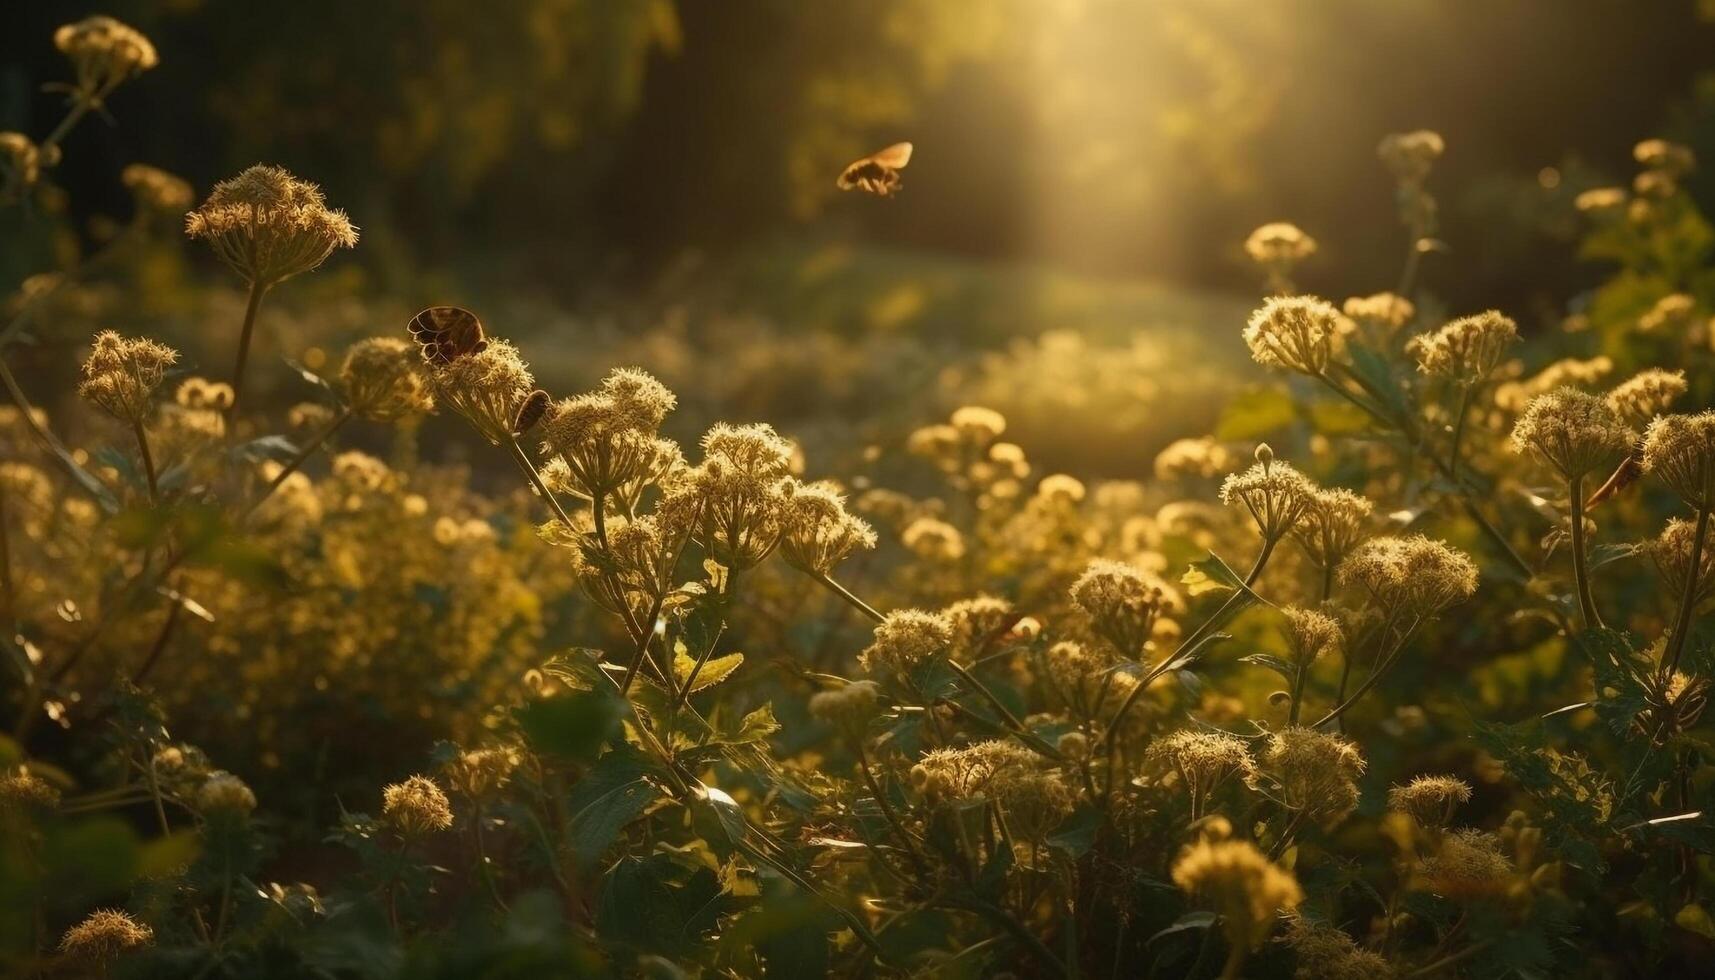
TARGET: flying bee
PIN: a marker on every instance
(877, 173)
(447, 333)
(531, 412)
(1627, 474)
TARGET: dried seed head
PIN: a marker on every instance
(905, 639)
(122, 373)
(1642, 397)
(104, 53)
(1670, 552)
(1293, 332)
(1313, 772)
(1414, 576)
(487, 388)
(1310, 634)
(480, 774)
(1327, 953)
(1334, 522)
(268, 225)
(1572, 431)
(1275, 494)
(1238, 882)
(222, 792)
(1430, 800)
(742, 493)
(1466, 350)
(1123, 603)
(416, 807)
(934, 540)
(976, 622)
(849, 707)
(105, 936)
(155, 190)
(384, 380)
(820, 532)
(1280, 243)
(1680, 451)
(1468, 865)
(1386, 311)
(1201, 760)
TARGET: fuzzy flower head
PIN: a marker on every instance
(155, 190)
(976, 622)
(848, 707)
(978, 425)
(607, 438)
(20, 165)
(1326, 953)
(1275, 494)
(905, 639)
(222, 792)
(104, 936)
(1238, 882)
(1293, 332)
(1466, 350)
(1573, 431)
(635, 567)
(820, 532)
(1664, 156)
(1123, 603)
(1643, 396)
(1279, 243)
(1468, 865)
(21, 789)
(487, 388)
(933, 539)
(1200, 761)
(1335, 521)
(743, 493)
(122, 373)
(1034, 799)
(1680, 451)
(480, 774)
(1199, 458)
(1410, 156)
(1670, 552)
(416, 807)
(104, 53)
(1430, 800)
(1413, 575)
(1387, 312)
(384, 380)
(269, 226)
(1310, 634)
(1311, 771)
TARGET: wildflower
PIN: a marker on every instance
(1388, 311)
(1309, 635)
(155, 190)
(416, 807)
(198, 392)
(384, 380)
(1060, 489)
(104, 53)
(978, 425)
(104, 936)
(850, 706)
(1077, 672)
(1123, 603)
(20, 164)
(1601, 200)
(1513, 396)
(934, 442)
(1293, 332)
(1670, 552)
(1332, 525)
(1414, 576)
(222, 792)
(1240, 884)
(1430, 800)
(1670, 158)
(1279, 243)
(1411, 155)
(486, 388)
(21, 789)
(1572, 431)
(1201, 761)
(905, 639)
(1326, 953)
(1312, 772)
(1468, 865)
(1467, 349)
(481, 773)
(966, 773)
(1193, 458)
(820, 532)
(268, 225)
(742, 493)
(977, 621)
(1275, 494)
(1680, 451)
(122, 373)
(1674, 313)
(1645, 395)
(632, 570)
(934, 539)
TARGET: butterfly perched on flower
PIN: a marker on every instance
(877, 173)
(531, 412)
(446, 333)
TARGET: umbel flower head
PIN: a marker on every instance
(1033, 798)
(1670, 552)
(1466, 350)
(1200, 760)
(933, 539)
(976, 621)
(1430, 800)
(1333, 523)
(1275, 494)
(1327, 953)
(1310, 634)
(1123, 603)
(1643, 396)
(849, 707)
(384, 380)
(607, 437)
(1573, 431)
(20, 164)
(1311, 771)
(222, 792)
(1680, 451)
(1202, 457)
(1235, 880)
(268, 225)
(105, 936)
(1293, 332)
(1279, 242)
(1386, 311)
(21, 789)
(1411, 155)
(486, 388)
(155, 190)
(820, 532)
(104, 53)
(906, 638)
(122, 373)
(1413, 575)
(742, 492)
(978, 425)
(481, 773)
(1468, 865)
(416, 807)
(634, 570)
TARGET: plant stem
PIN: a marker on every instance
(1025, 735)
(535, 479)
(257, 289)
(1459, 432)
(302, 456)
(148, 460)
(1382, 664)
(1587, 611)
(887, 811)
(1688, 598)
(836, 588)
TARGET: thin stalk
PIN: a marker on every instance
(1382, 664)
(1017, 727)
(887, 811)
(1459, 431)
(1298, 678)
(257, 290)
(1688, 597)
(836, 588)
(302, 456)
(81, 104)
(535, 479)
(8, 591)
(148, 460)
(1587, 611)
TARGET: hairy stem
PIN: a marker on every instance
(148, 460)
(1687, 597)
(1592, 619)
(257, 289)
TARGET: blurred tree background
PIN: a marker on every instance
(578, 142)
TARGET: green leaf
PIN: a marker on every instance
(717, 817)
(616, 791)
(1077, 833)
(1186, 922)
(714, 671)
(1272, 662)
(571, 726)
